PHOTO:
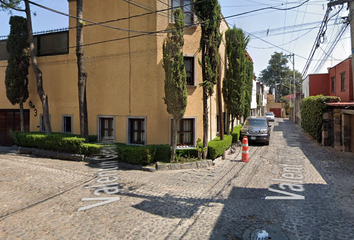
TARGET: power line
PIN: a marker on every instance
(85, 20)
(147, 33)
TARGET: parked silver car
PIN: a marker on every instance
(257, 129)
(270, 116)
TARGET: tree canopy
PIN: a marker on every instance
(16, 80)
(279, 77)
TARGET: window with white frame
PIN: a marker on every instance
(187, 8)
(136, 130)
(106, 128)
(190, 70)
(67, 124)
(185, 132)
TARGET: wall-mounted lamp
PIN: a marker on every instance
(31, 104)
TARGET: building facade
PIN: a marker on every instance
(125, 86)
(337, 82)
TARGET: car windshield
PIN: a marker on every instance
(255, 123)
(269, 114)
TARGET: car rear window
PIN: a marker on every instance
(256, 123)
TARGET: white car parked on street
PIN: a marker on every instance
(270, 116)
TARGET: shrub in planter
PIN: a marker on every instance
(187, 152)
(89, 149)
(162, 152)
(216, 147)
(60, 142)
(93, 138)
(236, 133)
(139, 155)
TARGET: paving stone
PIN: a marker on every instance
(40, 197)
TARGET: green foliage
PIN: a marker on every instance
(312, 110)
(216, 147)
(200, 148)
(209, 14)
(236, 133)
(175, 74)
(143, 155)
(163, 152)
(16, 80)
(60, 142)
(278, 72)
(187, 152)
(9, 5)
(93, 138)
(237, 86)
(248, 88)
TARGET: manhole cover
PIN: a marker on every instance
(265, 233)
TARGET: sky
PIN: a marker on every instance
(288, 29)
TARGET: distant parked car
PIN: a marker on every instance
(257, 129)
(270, 116)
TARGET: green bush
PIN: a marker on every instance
(187, 152)
(139, 155)
(89, 149)
(93, 138)
(216, 147)
(143, 155)
(236, 133)
(163, 152)
(60, 142)
(312, 110)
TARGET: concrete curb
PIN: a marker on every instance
(51, 154)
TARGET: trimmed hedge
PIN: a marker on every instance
(60, 142)
(236, 133)
(312, 110)
(143, 155)
(216, 147)
(187, 152)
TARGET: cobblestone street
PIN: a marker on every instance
(292, 189)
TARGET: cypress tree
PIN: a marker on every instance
(209, 14)
(16, 80)
(175, 75)
(234, 87)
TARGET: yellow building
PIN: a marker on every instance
(125, 87)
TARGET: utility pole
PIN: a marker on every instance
(351, 19)
(294, 108)
(292, 55)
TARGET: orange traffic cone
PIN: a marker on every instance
(245, 152)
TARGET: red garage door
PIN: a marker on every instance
(276, 111)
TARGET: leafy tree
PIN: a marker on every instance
(279, 77)
(82, 74)
(175, 75)
(235, 84)
(14, 5)
(248, 88)
(16, 80)
(209, 14)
